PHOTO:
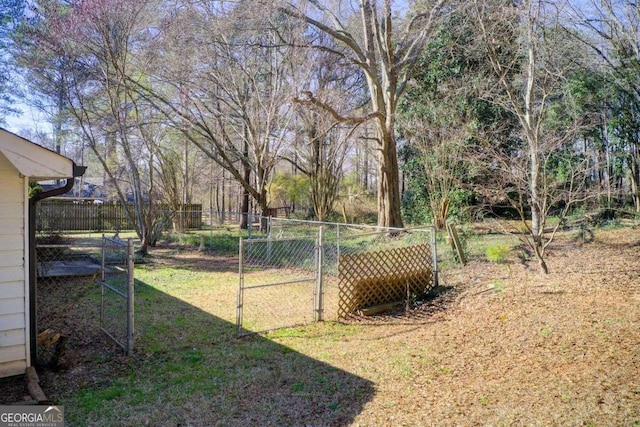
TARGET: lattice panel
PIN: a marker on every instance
(375, 278)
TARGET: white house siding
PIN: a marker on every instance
(13, 275)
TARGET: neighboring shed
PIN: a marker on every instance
(22, 161)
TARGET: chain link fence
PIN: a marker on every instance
(70, 268)
(262, 226)
(278, 283)
(293, 276)
(117, 292)
(67, 272)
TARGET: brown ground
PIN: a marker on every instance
(517, 348)
(500, 345)
(504, 345)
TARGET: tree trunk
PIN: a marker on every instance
(244, 216)
(634, 166)
(365, 168)
(223, 193)
(635, 189)
(389, 203)
(244, 221)
(537, 211)
(264, 219)
(538, 251)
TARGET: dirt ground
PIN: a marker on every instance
(500, 344)
(514, 347)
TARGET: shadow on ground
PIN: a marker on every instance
(188, 368)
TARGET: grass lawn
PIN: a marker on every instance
(499, 345)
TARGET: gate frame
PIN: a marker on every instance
(318, 273)
(316, 279)
(127, 346)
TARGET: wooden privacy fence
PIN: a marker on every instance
(383, 277)
(74, 215)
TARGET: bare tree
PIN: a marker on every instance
(386, 56)
(530, 57)
(612, 30)
(442, 153)
(320, 156)
(322, 142)
(95, 39)
(177, 170)
(233, 93)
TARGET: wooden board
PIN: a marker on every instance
(453, 233)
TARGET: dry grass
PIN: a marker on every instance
(517, 348)
(500, 345)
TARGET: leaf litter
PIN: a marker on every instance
(497, 344)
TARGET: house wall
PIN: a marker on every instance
(13, 271)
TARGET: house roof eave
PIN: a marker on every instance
(33, 161)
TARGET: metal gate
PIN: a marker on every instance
(279, 283)
(117, 292)
(288, 281)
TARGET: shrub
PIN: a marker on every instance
(497, 253)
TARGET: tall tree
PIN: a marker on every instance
(11, 13)
(592, 91)
(625, 133)
(44, 72)
(320, 156)
(386, 56)
(439, 119)
(611, 28)
(231, 98)
(531, 58)
(96, 39)
(322, 142)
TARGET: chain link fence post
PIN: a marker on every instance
(338, 244)
(434, 253)
(240, 286)
(130, 297)
(319, 291)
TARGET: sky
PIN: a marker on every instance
(29, 119)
